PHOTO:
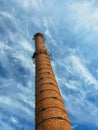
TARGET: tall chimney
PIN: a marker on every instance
(50, 112)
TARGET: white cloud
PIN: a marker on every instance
(83, 71)
(14, 119)
(27, 99)
(84, 15)
(27, 3)
(16, 99)
(47, 32)
(76, 67)
(77, 103)
(6, 14)
(3, 46)
(15, 107)
(26, 45)
(5, 126)
(97, 72)
(36, 21)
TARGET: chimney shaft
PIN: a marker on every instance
(50, 112)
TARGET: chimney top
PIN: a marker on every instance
(38, 34)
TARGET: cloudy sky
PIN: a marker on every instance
(70, 28)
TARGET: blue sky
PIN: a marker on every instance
(70, 28)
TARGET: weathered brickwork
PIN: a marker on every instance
(50, 112)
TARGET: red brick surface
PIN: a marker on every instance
(50, 111)
(54, 124)
(49, 102)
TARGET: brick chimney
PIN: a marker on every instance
(50, 112)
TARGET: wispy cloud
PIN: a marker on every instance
(83, 71)
(77, 85)
(5, 14)
(5, 126)
(28, 3)
(84, 15)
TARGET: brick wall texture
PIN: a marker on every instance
(50, 112)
